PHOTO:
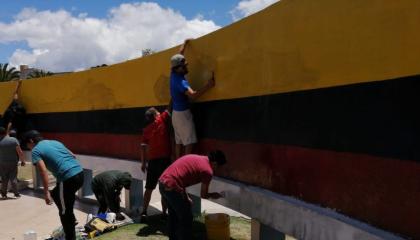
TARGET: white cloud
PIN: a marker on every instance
(248, 7)
(59, 41)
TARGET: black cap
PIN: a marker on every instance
(31, 135)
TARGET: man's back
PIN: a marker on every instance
(178, 86)
(58, 159)
(187, 171)
(156, 135)
(8, 152)
(111, 180)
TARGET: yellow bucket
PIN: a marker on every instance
(217, 226)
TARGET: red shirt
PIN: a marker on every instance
(156, 135)
(187, 171)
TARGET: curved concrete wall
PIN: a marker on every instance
(291, 46)
(313, 99)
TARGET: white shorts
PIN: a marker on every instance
(184, 127)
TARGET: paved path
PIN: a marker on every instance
(31, 213)
(99, 164)
(207, 206)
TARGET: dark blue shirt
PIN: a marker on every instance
(178, 86)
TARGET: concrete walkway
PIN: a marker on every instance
(31, 213)
(100, 164)
(206, 206)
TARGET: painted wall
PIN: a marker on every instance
(293, 45)
(313, 99)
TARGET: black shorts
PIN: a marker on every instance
(155, 168)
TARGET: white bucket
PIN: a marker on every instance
(110, 217)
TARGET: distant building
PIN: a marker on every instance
(25, 71)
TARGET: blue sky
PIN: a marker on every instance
(38, 32)
(218, 11)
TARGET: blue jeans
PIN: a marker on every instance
(180, 215)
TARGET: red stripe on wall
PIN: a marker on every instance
(381, 191)
(110, 145)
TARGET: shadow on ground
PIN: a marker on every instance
(81, 206)
(157, 226)
(154, 228)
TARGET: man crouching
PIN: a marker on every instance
(107, 188)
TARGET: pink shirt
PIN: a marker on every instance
(187, 171)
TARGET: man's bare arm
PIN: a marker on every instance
(193, 95)
(205, 192)
(9, 127)
(44, 177)
(17, 89)
(143, 156)
(183, 46)
(21, 156)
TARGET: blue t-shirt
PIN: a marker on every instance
(57, 158)
(179, 85)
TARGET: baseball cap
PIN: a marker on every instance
(30, 135)
(177, 60)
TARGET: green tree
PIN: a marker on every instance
(147, 52)
(8, 74)
(40, 74)
(98, 66)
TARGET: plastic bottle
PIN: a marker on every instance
(30, 235)
(89, 217)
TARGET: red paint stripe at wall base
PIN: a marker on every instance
(111, 145)
(381, 191)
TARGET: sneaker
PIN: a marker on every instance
(17, 195)
(4, 196)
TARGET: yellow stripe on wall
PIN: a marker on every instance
(6, 95)
(291, 46)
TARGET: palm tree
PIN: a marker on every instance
(8, 74)
(39, 74)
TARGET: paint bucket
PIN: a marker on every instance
(217, 226)
(110, 217)
(101, 216)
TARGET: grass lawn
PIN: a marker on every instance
(153, 228)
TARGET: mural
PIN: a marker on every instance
(313, 99)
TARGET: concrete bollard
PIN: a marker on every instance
(260, 231)
(196, 205)
(134, 197)
(36, 178)
(86, 188)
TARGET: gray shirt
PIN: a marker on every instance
(8, 152)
